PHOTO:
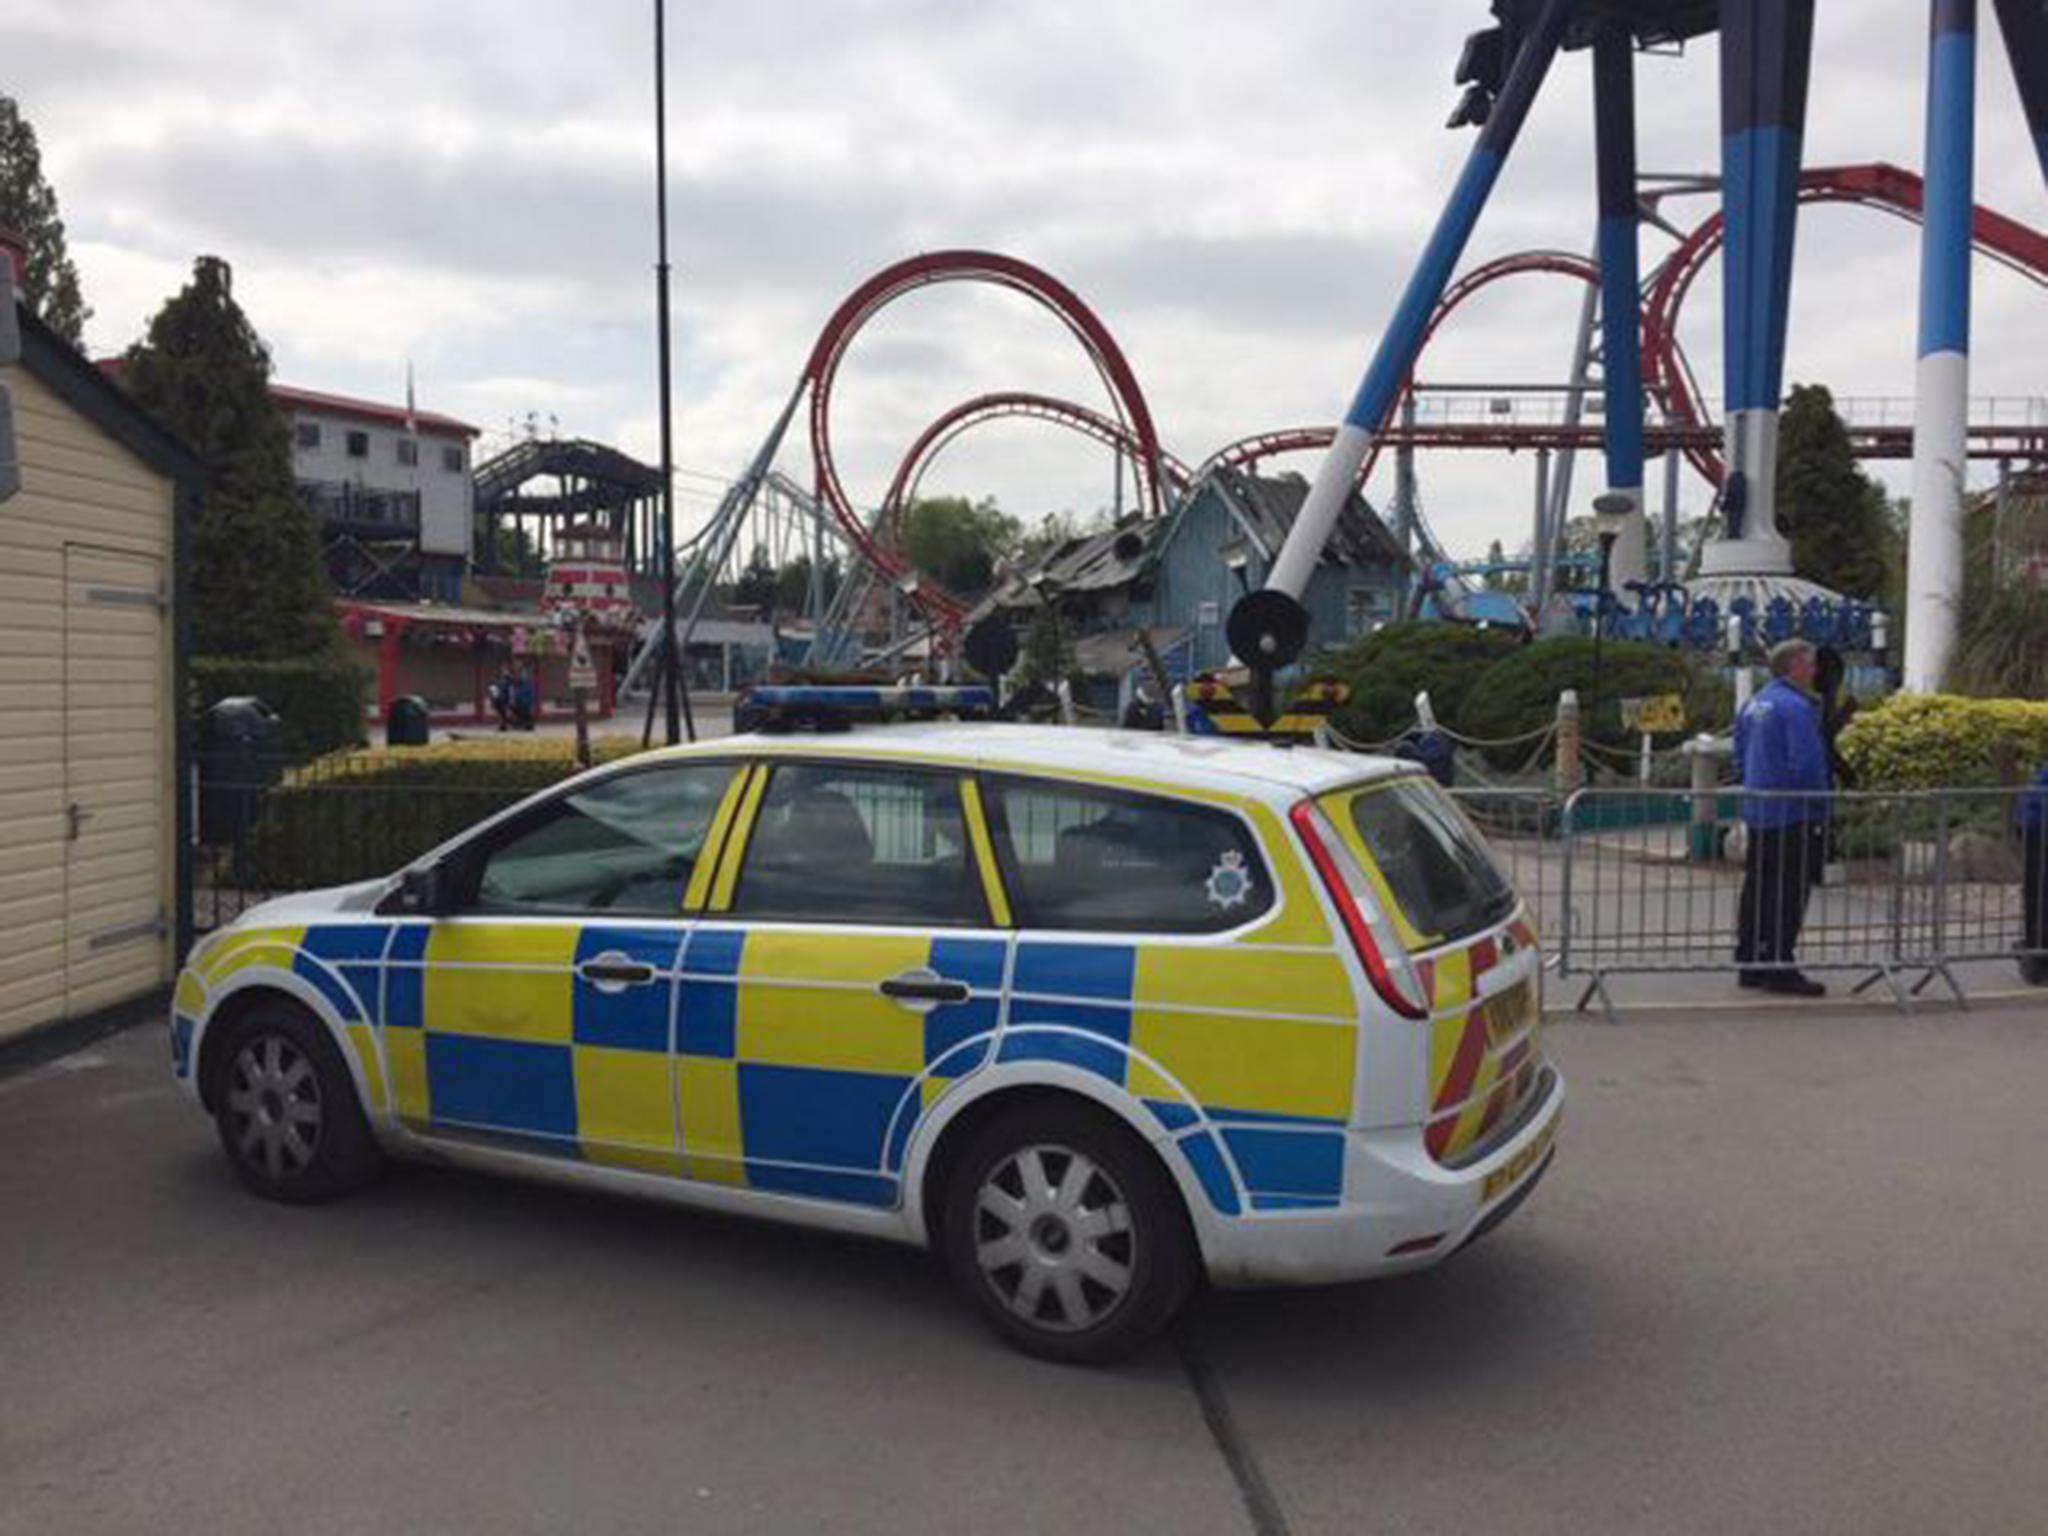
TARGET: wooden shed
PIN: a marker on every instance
(93, 914)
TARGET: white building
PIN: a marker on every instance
(385, 477)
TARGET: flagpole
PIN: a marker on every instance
(673, 698)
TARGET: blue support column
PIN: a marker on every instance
(2025, 25)
(1403, 337)
(1934, 555)
(1621, 303)
(1766, 58)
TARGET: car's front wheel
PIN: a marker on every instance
(287, 1111)
(1067, 1233)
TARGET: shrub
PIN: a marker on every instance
(1386, 669)
(1519, 694)
(358, 815)
(319, 699)
(1928, 741)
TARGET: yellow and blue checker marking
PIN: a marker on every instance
(1226, 1046)
(766, 1058)
(796, 1076)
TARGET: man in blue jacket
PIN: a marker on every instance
(1780, 751)
(2034, 880)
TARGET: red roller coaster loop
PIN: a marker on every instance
(1885, 188)
(961, 266)
(1011, 404)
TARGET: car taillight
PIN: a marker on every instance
(1371, 933)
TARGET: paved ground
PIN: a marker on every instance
(1786, 1276)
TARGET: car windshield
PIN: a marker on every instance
(1434, 862)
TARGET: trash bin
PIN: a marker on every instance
(406, 724)
(241, 754)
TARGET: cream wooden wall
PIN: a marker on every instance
(88, 765)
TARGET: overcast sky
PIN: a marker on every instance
(1237, 190)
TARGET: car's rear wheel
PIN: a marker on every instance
(1067, 1233)
(286, 1109)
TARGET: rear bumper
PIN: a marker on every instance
(1402, 1209)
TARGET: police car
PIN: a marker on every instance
(1091, 1013)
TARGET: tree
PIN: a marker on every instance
(957, 542)
(793, 584)
(28, 206)
(1048, 656)
(1835, 515)
(258, 584)
(756, 586)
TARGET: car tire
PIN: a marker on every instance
(1067, 1233)
(286, 1108)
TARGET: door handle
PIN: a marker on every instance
(613, 972)
(925, 987)
(75, 818)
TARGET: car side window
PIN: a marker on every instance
(1077, 857)
(625, 845)
(859, 843)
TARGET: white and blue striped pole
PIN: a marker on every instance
(1766, 59)
(1398, 347)
(1934, 555)
(1621, 303)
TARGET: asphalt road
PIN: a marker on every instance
(1787, 1275)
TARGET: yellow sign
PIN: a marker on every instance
(1658, 712)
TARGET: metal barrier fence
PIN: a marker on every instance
(1891, 888)
(1900, 889)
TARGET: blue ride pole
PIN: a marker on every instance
(1934, 550)
(1402, 340)
(2025, 25)
(1766, 59)
(1621, 302)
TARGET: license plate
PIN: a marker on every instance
(1511, 1173)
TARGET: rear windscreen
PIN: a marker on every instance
(1435, 865)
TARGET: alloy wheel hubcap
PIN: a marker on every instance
(274, 1106)
(1053, 1238)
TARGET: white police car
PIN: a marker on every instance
(1093, 1013)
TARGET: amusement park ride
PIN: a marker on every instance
(1629, 327)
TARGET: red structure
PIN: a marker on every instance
(449, 657)
(998, 271)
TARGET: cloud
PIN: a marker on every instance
(1240, 196)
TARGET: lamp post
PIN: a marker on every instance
(674, 701)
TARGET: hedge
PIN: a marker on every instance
(1932, 741)
(319, 699)
(359, 815)
(1386, 669)
(1519, 694)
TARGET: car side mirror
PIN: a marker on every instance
(423, 891)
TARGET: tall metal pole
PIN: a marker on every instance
(2025, 25)
(1934, 545)
(1621, 306)
(1766, 57)
(672, 698)
(1402, 339)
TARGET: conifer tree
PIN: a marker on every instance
(28, 206)
(258, 585)
(1835, 514)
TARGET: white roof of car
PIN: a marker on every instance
(1209, 762)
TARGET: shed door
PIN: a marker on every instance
(117, 790)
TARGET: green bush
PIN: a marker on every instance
(358, 815)
(1386, 669)
(1928, 741)
(1519, 694)
(319, 699)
